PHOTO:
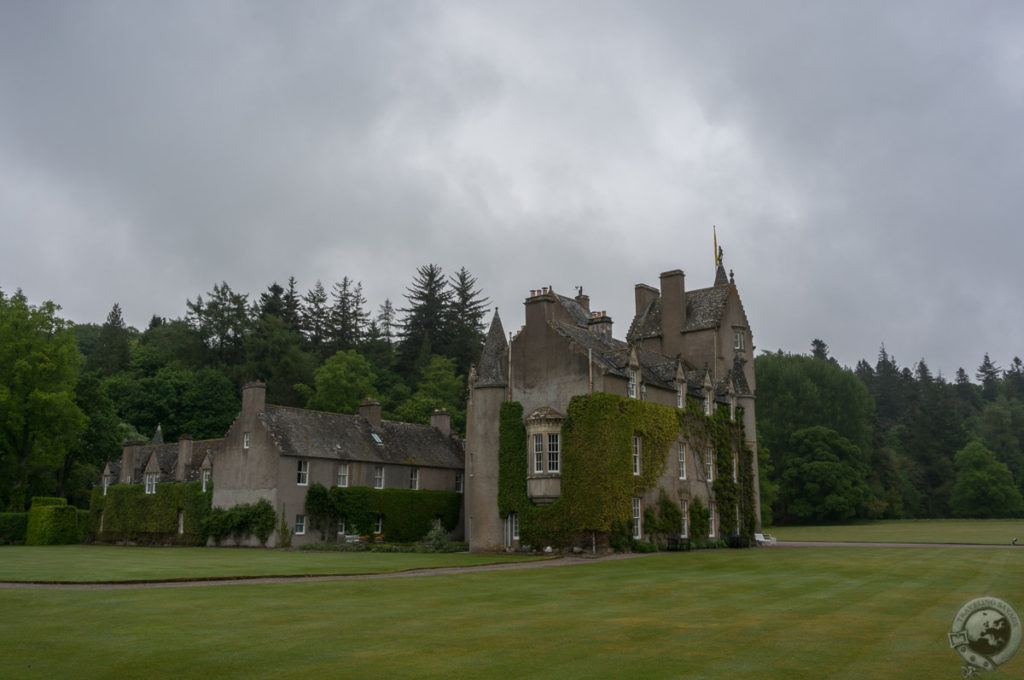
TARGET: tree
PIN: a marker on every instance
(467, 321)
(438, 388)
(984, 486)
(110, 355)
(348, 317)
(386, 321)
(342, 383)
(825, 480)
(425, 325)
(819, 349)
(315, 319)
(274, 354)
(989, 376)
(99, 441)
(221, 322)
(39, 419)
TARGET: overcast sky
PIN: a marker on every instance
(863, 161)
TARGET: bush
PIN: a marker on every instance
(174, 515)
(52, 525)
(13, 527)
(41, 501)
(240, 522)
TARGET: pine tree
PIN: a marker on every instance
(989, 376)
(315, 319)
(425, 326)
(348, 317)
(467, 321)
(292, 310)
(112, 346)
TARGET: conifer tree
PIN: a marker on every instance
(315, 319)
(425, 327)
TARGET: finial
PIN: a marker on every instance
(732, 277)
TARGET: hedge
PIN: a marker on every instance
(128, 514)
(406, 515)
(13, 527)
(52, 525)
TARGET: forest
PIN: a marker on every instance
(834, 444)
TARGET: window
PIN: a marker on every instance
(643, 392)
(538, 453)
(631, 387)
(302, 476)
(341, 525)
(245, 440)
(553, 452)
(636, 455)
(738, 341)
(377, 439)
(106, 483)
(711, 520)
(343, 474)
(682, 460)
(414, 479)
(679, 395)
(707, 405)
(515, 526)
(637, 526)
(732, 410)
(300, 525)
(378, 526)
(458, 482)
(150, 482)
(378, 477)
(685, 519)
(709, 465)
(206, 479)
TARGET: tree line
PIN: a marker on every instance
(71, 394)
(886, 441)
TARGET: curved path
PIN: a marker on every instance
(567, 561)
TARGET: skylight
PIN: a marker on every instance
(376, 438)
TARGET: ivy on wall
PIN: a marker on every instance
(597, 480)
(129, 514)
(406, 515)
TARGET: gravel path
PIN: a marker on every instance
(568, 561)
(192, 583)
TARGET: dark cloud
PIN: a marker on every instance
(861, 160)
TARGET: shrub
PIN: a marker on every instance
(52, 525)
(13, 526)
(41, 501)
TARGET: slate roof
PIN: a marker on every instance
(704, 310)
(492, 370)
(339, 436)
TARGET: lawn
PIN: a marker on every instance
(761, 613)
(983, 532)
(83, 563)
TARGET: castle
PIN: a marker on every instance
(686, 363)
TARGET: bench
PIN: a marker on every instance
(764, 539)
(677, 542)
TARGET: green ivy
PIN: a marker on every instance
(597, 480)
(129, 514)
(406, 515)
(240, 522)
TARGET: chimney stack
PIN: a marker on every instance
(441, 421)
(370, 409)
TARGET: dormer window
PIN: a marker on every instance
(206, 479)
(245, 440)
(707, 404)
(679, 395)
(106, 483)
(150, 482)
(738, 341)
(631, 387)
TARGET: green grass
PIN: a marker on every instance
(79, 563)
(982, 532)
(803, 613)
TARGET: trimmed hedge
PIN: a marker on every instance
(128, 514)
(52, 525)
(40, 501)
(13, 527)
(406, 515)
